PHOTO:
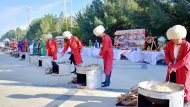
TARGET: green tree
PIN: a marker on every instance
(19, 33)
(34, 30)
(47, 24)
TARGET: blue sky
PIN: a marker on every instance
(15, 13)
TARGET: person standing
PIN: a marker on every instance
(35, 47)
(51, 47)
(76, 47)
(39, 47)
(106, 52)
(20, 46)
(24, 49)
(31, 47)
(14, 45)
(90, 43)
(43, 47)
(177, 55)
(25, 45)
(96, 45)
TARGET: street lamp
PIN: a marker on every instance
(64, 10)
(71, 22)
(29, 12)
(64, 14)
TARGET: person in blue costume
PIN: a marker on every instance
(20, 46)
(35, 48)
(43, 47)
(97, 45)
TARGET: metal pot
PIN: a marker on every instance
(172, 92)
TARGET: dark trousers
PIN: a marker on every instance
(173, 77)
(72, 61)
(107, 79)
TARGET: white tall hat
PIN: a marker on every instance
(99, 30)
(176, 32)
(48, 36)
(67, 34)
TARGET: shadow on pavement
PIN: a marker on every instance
(58, 99)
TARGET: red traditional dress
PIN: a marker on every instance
(11, 44)
(107, 53)
(51, 48)
(25, 45)
(182, 65)
(76, 47)
(14, 45)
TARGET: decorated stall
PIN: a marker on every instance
(60, 41)
(130, 39)
(151, 43)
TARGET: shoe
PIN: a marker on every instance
(105, 85)
(74, 72)
(103, 82)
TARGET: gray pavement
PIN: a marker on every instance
(26, 85)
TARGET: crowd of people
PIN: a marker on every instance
(48, 47)
(177, 53)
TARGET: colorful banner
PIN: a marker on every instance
(130, 39)
(60, 41)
